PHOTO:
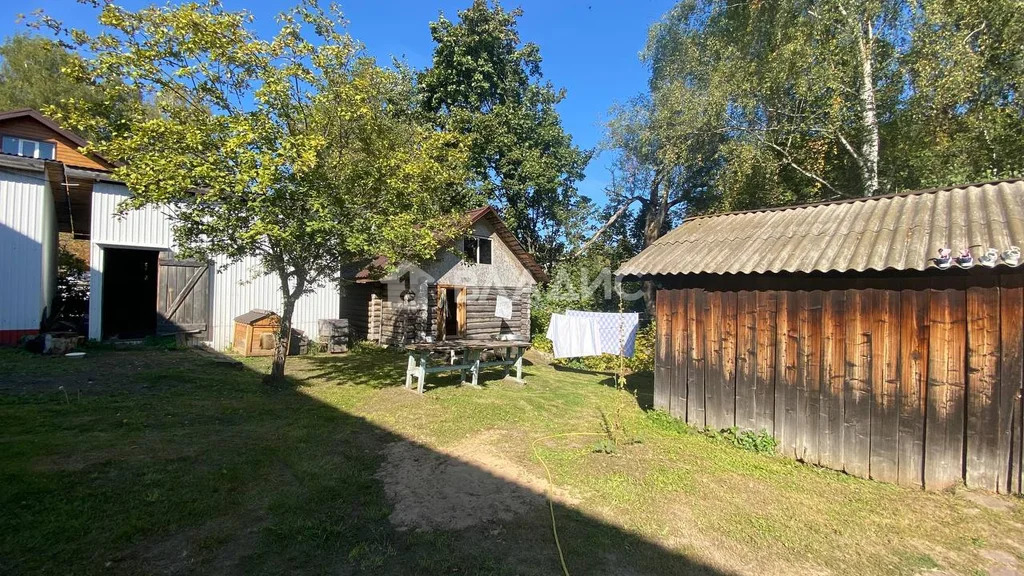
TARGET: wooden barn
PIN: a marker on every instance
(458, 294)
(835, 328)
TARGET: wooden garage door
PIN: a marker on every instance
(182, 297)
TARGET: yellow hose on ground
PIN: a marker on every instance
(551, 485)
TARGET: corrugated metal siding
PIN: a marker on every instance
(896, 232)
(146, 228)
(22, 230)
(49, 245)
(236, 290)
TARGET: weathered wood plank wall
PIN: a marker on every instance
(911, 380)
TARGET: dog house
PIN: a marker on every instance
(256, 333)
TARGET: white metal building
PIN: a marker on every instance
(137, 286)
(28, 253)
(234, 290)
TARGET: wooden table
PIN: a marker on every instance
(419, 364)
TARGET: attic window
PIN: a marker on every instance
(29, 148)
(478, 249)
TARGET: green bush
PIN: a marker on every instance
(760, 442)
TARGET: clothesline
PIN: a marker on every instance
(581, 333)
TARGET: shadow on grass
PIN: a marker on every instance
(639, 384)
(219, 473)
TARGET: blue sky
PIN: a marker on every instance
(590, 47)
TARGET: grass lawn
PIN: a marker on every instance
(165, 462)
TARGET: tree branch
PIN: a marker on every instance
(606, 226)
(789, 160)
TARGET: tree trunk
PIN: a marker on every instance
(654, 220)
(289, 296)
(869, 117)
(283, 337)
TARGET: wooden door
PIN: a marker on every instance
(182, 297)
(445, 322)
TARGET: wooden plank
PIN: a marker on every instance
(663, 344)
(746, 359)
(984, 464)
(809, 375)
(944, 419)
(786, 362)
(913, 385)
(677, 400)
(713, 375)
(728, 359)
(695, 414)
(764, 391)
(833, 377)
(195, 274)
(857, 387)
(885, 362)
(1011, 378)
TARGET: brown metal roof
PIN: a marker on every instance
(898, 232)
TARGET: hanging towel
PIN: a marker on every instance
(573, 337)
(616, 332)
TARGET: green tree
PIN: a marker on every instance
(34, 74)
(487, 84)
(755, 104)
(296, 151)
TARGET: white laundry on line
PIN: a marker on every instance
(616, 332)
(573, 337)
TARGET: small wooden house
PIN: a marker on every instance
(256, 333)
(837, 328)
(478, 288)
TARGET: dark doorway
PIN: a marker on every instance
(129, 293)
(451, 312)
(451, 321)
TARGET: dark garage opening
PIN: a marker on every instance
(129, 293)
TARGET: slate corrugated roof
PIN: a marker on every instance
(899, 232)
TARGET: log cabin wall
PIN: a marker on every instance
(914, 380)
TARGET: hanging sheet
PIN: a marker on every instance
(616, 332)
(573, 337)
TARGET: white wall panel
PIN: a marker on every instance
(22, 231)
(49, 244)
(149, 227)
(241, 287)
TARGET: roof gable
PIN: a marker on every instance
(898, 232)
(29, 123)
(489, 214)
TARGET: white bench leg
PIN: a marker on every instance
(423, 373)
(410, 366)
(519, 365)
